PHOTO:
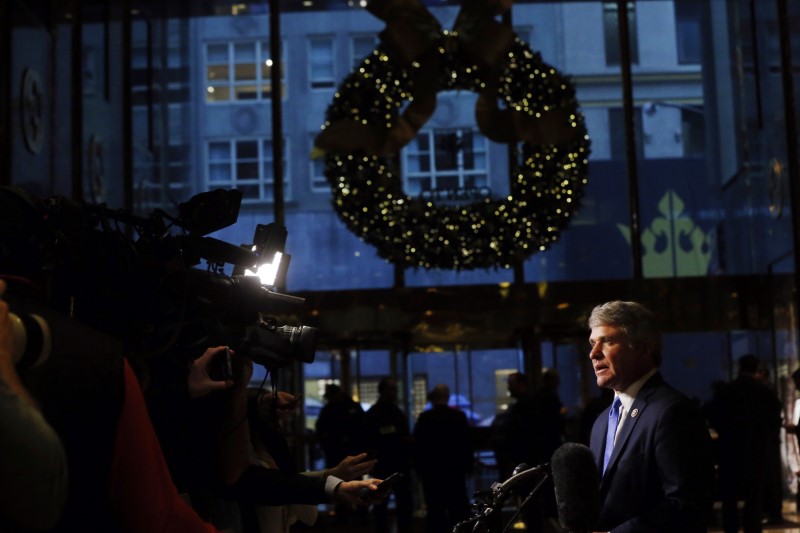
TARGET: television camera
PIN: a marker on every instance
(139, 278)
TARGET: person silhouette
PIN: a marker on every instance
(389, 438)
(744, 413)
(443, 454)
(340, 430)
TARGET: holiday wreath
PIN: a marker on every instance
(384, 102)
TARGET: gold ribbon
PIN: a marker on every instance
(413, 35)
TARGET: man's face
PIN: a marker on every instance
(616, 364)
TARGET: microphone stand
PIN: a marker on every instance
(491, 503)
(527, 500)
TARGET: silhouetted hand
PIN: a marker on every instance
(199, 382)
(352, 467)
(352, 492)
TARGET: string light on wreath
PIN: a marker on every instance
(382, 104)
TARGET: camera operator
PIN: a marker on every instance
(33, 470)
(123, 299)
(87, 392)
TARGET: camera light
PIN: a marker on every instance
(267, 272)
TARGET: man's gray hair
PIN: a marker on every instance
(636, 321)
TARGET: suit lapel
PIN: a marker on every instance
(631, 419)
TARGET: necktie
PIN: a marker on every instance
(611, 432)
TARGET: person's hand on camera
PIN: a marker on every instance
(352, 467)
(358, 492)
(199, 381)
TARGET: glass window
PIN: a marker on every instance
(446, 160)
(162, 147)
(466, 372)
(524, 32)
(320, 62)
(239, 71)
(232, 61)
(244, 59)
(693, 131)
(701, 213)
(616, 132)
(688, 34)
(361, 47)
(611, 33)
(319, 183)
(247, 165)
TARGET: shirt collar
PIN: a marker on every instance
(627, 396)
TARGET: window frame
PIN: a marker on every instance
(433, 174)
(262, 81)
(315, 82)
(613, 54)
(318, 183)
(261, 162)
(355, 57)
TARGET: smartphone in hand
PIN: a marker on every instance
(383, 489)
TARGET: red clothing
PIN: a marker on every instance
(141, 490)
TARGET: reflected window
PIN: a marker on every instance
(247, 165)
(159, 185)
(161, 111)
(446, 160)
(360, 47)
(611, 33)
(616, 133)
(524, 33)
(320, 62)
(140, 66)
(319, 183)
(693, 131)
(672, 129)
(688, 35)
(239, 71)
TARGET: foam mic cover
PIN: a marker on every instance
(577, 487)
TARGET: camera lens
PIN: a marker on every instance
(303, 340)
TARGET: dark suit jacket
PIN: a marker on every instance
(661, 474)
(443, 444)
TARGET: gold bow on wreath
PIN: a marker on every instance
(414, 37)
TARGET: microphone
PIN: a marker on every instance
(520, 468)
(489, 504)
(576, 485)
(521, 473)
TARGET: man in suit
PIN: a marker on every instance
(443, 453)
(746, 414)
(658, 474)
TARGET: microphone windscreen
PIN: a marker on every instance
(520, 468)
(577, 487)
